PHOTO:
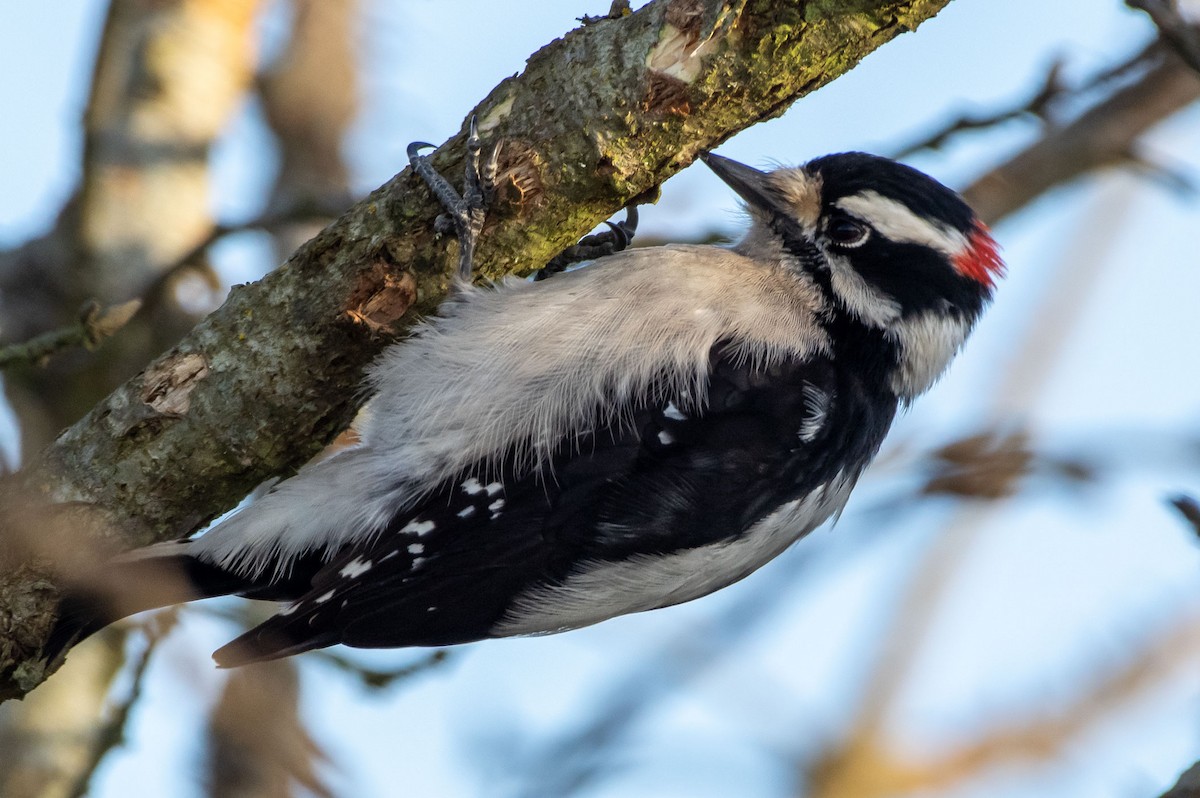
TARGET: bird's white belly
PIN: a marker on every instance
(647, 582)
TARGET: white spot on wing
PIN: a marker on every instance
(471, 486)
(665, 438)
(355, 568)
(674, 413)
(416, 548)
(816, 408)
(466, 512)
(321, 599)
(418, 528)
(494, 488)
(418, 562)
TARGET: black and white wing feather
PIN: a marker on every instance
(603, 526)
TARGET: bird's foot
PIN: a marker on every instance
(616, 238)
(464, 215)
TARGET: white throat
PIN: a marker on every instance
(927, 345)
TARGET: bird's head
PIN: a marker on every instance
(892, 249)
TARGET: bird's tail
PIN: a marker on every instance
(272, 640)
(145, 579)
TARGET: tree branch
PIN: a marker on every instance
(1174, 28)
(263, 382)
(1105, 135)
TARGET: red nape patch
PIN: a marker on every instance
(981, 259)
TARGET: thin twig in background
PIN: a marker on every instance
(112, 734)
(1183, 35)
(1043, 104)
(377, 679)
(94, 326)
(97, 324)
(1038, 106)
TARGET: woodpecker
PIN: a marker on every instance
(633, 434)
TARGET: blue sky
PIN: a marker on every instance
(1049, 583)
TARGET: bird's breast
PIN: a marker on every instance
(602, 590)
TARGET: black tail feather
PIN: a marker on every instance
(127, 586)
(267, 641)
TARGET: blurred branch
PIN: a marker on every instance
(1105, 135)
(986, 465)
(869, 768)
(301, 213)
(94, 325)
(1188, 785)
(674, 69)
(46, 743)
(1189, 508)
(310, 96)
(1043, 104)
(112, 734)
(168, 78)
(1038, 106)
(1181, 34)
(257, 745)
(383, 679)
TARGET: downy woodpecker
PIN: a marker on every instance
(626, 436)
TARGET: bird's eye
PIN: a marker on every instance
(847, 232)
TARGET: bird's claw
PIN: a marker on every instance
(619, 236)
(464, 214)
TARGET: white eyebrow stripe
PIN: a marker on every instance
(894, 220)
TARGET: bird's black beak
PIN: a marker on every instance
(750, 184)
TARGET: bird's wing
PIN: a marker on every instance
(676, 476)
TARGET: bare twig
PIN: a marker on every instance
(94, 326)
(1042, 104)
(1039, 105)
